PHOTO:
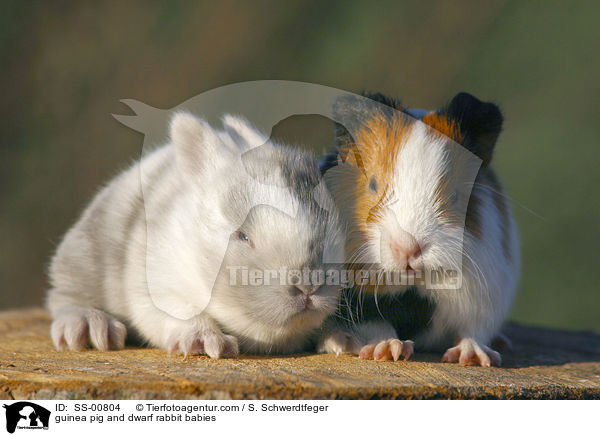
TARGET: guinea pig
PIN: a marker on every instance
(167, 246)
(417, 202)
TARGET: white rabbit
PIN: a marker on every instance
(162, 248)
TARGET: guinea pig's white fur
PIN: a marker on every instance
(489, 273)
(417, 165)
(153, 248)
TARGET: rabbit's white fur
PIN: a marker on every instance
(152, 249)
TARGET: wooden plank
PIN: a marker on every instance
(544, 364)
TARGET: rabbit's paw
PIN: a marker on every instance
(339, 342)
(77, 327)
(211, 342)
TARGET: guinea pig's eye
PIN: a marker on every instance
(453, 197)
(373, 185)
(243, 237)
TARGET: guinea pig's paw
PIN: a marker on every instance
(339, 342)
(213, 343)
(469, 352)
(77, 328)
(388, 349)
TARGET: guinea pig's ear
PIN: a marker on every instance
(348, 115)
(391, 102)
(470, 122)
(351, 112)
(196, 143)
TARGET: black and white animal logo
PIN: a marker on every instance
(26, 415)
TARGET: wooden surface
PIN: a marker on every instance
(543, 364)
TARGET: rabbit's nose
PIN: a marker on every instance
(301, 289)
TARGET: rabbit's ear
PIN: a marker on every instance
(244, 135)
(197, 146)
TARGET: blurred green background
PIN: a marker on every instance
(66, 66)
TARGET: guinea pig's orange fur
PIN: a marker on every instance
(443, 125)
(376, 147)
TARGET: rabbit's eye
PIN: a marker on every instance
(373, 185)
(243, 237)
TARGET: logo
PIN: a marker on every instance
(26, 415)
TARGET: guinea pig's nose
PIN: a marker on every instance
(408, 256)
(415, 261)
